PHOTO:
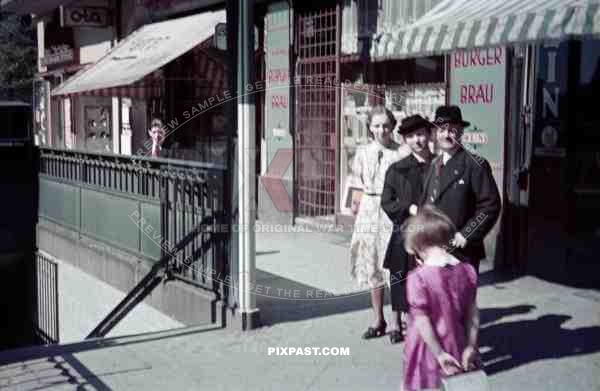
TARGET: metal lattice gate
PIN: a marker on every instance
(45, 305)
(315, 138)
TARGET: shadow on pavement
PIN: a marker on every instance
(492, 277)
(54, 372)
(39, 352)
(284, 300)
(290, 301)
(491, 315)
(513, 344)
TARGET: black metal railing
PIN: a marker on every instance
(45, 306)
(188, 193)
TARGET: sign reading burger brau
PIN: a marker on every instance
(85, 17)
(483, 92)
(478, 87)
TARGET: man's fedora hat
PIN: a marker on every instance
(412, 123)
(449, 115)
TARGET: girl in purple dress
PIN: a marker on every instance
(443, 319)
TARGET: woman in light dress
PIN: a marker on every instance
(372, 229)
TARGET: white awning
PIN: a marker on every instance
(468, 24)
(143, 52)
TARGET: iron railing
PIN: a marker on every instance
(45, 306)
(161, 271)
(188, 193)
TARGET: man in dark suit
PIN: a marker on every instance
(157, 133)
(462, 186)
(402, 188)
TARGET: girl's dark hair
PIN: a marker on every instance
(380, 109)
(429, 228)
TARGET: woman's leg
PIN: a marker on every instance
(377, 302)
(395, 322)
(397, 300)
(379, 327)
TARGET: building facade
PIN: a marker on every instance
(106, 70)
(515, 70)
(278, 97)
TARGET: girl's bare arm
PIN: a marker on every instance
(450, 366)
(472, 325)
(423, 324)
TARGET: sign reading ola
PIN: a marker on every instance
(85, 17)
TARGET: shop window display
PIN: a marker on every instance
(585, 155)
(97, 125)
(193, 78)
(402, 100)
(354, 134)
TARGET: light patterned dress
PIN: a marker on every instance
(372, 228)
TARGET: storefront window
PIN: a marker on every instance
(15, 120)
(585, 141)
(193, 79)
(586, 136)
(406, 87)
(97, 125)
(58, 123)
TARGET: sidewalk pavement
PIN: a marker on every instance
(84, 300)
(535, 336)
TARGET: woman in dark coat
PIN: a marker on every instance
(402, 188)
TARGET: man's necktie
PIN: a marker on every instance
(438, 166)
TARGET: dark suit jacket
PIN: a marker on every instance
(402, 188)
(469, 196)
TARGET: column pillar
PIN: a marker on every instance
(245, 165)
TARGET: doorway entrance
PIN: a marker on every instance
(316, 122)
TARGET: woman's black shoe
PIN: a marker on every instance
(373, 332)
(396, 336)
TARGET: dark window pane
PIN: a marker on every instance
(14, 122)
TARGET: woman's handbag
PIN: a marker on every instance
(467, 381)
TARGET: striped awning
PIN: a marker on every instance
(132, 68)
(468, 24)
(211, 65)
(151, 86)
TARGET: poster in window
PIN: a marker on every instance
(98, 128)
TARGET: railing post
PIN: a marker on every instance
(164, 208)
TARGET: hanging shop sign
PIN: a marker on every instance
(85, 17)
(58, 55)
(220, 37)
(478, 87)
(59, 44)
